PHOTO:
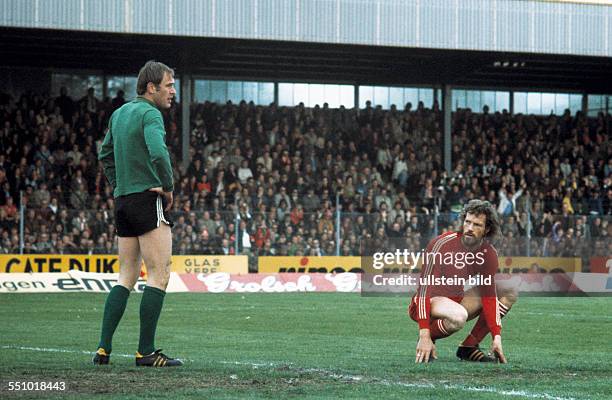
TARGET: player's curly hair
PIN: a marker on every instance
(478, 207)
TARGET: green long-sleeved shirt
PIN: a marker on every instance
(133, 154)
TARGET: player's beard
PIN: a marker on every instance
(470, 241)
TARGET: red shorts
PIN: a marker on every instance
(412, 309)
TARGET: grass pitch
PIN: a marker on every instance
(301, 346)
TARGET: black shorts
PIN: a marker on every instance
(139, 213)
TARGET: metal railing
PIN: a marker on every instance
(323, 232)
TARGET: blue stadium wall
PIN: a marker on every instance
(569, 28)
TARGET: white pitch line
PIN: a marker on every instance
(333, 375)
(562, 315)
(47, 350)
(357, 378)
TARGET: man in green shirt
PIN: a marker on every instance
(137, 164)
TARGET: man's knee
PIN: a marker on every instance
(159, 276)
(129, 274)
(509, 296)
(456, 320)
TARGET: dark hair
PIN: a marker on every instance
(152, 71)
(479, 207)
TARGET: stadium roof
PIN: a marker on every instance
(116, 53)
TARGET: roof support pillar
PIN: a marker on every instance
(447, 97)
(186, 84)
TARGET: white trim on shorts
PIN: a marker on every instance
(160, 212)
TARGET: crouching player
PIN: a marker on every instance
(442, 308)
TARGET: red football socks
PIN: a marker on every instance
(437, 330)
(480, 330)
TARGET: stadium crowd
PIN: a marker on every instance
(269, 177)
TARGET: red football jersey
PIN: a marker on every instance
(447, 265)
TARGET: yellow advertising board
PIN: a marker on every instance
(305, 264)
(210, 264)
(58, 263)
(35, 263)
(514, 265)
(273, 264)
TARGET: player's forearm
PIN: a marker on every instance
(160, 158)
(424, 324)
(164, 171)
(154, 135)
(110, 172)
(489, 308)
(495, 331)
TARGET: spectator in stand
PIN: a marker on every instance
(495, 156)
(118, 100)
